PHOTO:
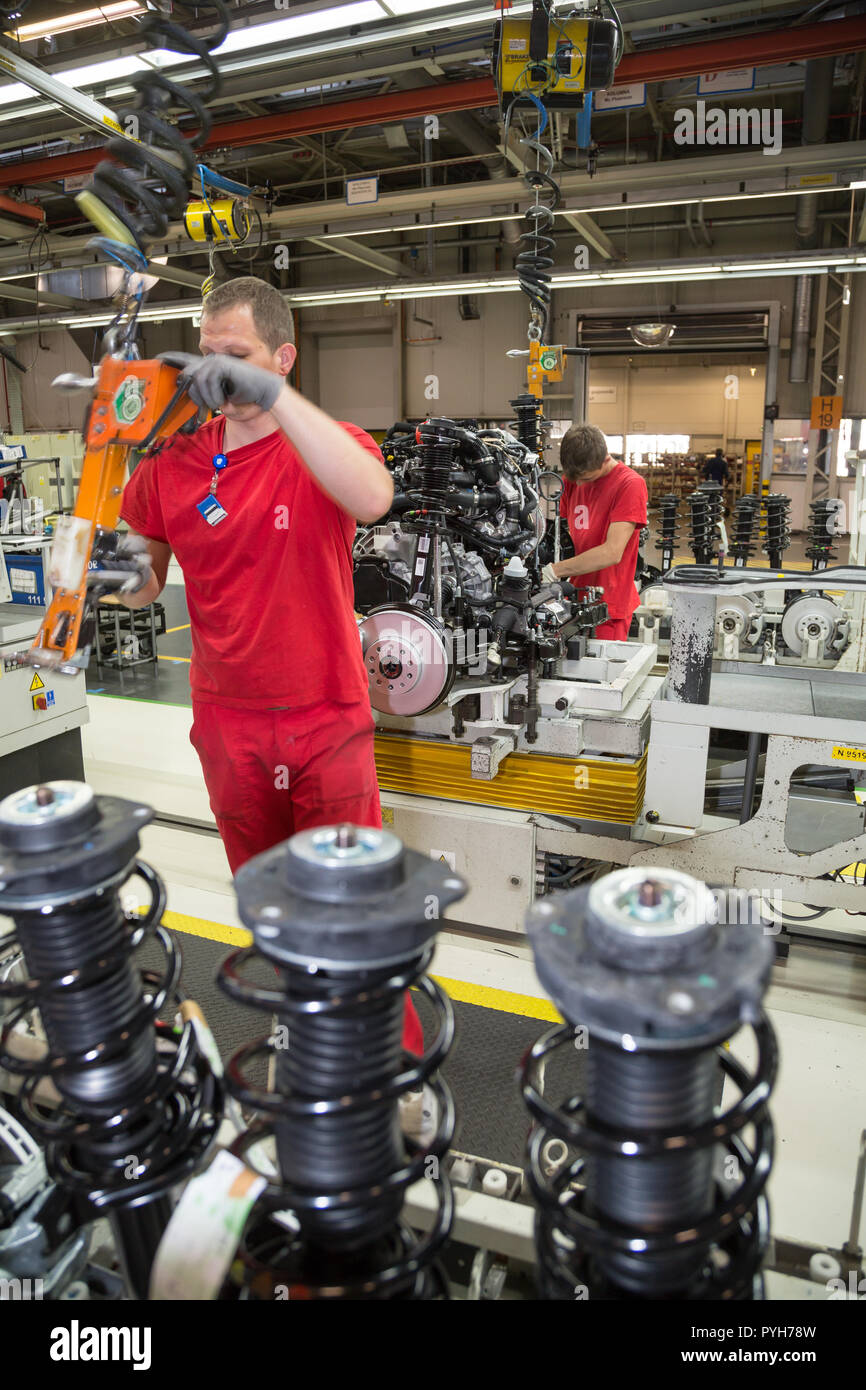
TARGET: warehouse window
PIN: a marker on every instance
(651, 448)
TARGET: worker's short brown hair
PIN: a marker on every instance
(271, 314)
(583, 450)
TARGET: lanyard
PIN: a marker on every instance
(210, 508)
(220, 462)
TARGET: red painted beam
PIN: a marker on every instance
(684, 60)
(59, 166)
(28, 212)
(713, 55)
(343, 115)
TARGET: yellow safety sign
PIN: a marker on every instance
(37, 682)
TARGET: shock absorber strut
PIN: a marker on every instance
(140, 1105)
(669, 529)
(822, 529)
(348, 918)
(747, 513)
(778, 535)
(671, 1203)
(705, 505)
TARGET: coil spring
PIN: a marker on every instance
(669, 528)
(535, 261)
(166, 1102)
(163, 154)
(705, 505)
(747, 513)
(715, 1254)
(778, 534)
(526, 421)
(343, 1173)
(438, 451)
(822, 528)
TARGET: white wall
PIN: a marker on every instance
(44, 408)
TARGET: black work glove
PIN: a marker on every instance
(213, 380)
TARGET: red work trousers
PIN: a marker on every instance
(271, 773)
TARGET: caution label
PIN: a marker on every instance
(37, 682)
(849, 755)
(445, 856)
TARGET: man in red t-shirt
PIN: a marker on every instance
(604, 503)
(259, 507)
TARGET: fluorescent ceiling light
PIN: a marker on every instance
(264, 36)
(297, 26)
(417, 227)
(83, 19)
(812, 263)
(746, 195)
(414, 7)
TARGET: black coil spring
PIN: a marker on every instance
(534, 262)
(777, 507)
(163, 155)
(343, 1168)
(669, 528)
(156, 1096)
(744, 529)
(438, 451)
(526, 421)
(705, 507)
(822, 529)
(703, 1237)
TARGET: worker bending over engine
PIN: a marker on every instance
(604, 503)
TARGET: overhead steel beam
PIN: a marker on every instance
(768, 46)
(588, 228)
(12, 290)
(585, 225)
(685, 60)
(741, 175)
(355, 251)
(77, 104)
(28, 212)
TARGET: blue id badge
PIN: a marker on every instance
(212, 510)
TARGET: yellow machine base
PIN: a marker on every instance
(598, 789)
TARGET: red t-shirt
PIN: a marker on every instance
(589, 509)
(269, 588)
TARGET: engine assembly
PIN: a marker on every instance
(449, 582)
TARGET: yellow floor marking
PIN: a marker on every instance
(505, 1000)
(182, 627)
(213, 931)
(502, 999)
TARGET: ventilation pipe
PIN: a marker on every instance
(817, 95)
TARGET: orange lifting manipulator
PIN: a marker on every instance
(134, 404)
